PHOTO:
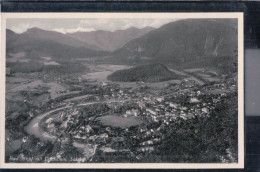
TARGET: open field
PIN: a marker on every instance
(77, 98)
(207, 75)
(16, 85)
(17, 57)
(49, 61)
(217, 91)
(118, 121)
(99, 73)
(29, 86)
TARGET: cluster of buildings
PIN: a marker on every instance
(159, 109)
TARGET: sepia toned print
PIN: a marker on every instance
(140, 89)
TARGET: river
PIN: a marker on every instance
(33, 129)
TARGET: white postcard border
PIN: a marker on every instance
(240, 164)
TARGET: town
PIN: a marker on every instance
(104, 122)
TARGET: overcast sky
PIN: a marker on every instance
(84, 25)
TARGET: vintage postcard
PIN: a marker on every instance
(122, 90)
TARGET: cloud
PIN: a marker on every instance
(121, 24)
(78, 29)
(20, 28)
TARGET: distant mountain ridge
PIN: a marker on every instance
(39, 42)
(36, 42)
(61, 38)
(110, 41)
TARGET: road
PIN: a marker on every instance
(107, 101)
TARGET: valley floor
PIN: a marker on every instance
(86, 118)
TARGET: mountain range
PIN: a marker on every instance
(36, 42)
(189, 42)
(110, 41)
(41, 42)
(183, 43)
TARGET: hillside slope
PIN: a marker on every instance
(146, 73)
(184, 43)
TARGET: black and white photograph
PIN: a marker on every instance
(138, 89)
